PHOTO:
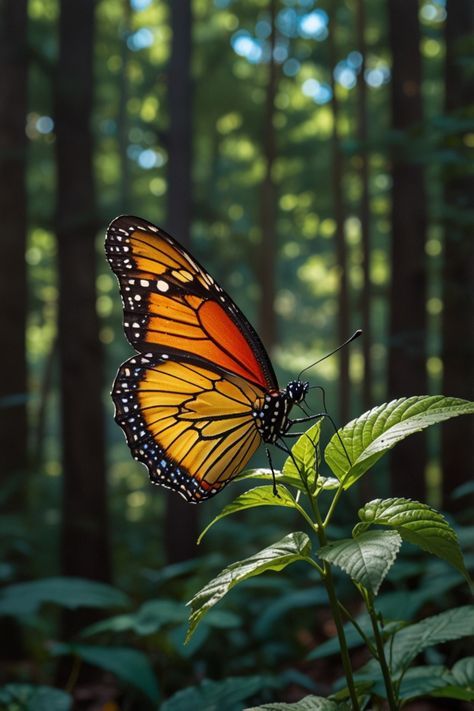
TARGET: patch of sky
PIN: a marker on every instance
(44, 124)
(302, 3)
(433, 12)
(263, 29)
(138, 5)
(314, 25)
(318, 91)
(280, 53)
(291, 67)
(133, 151)
(222, 4)
(149, 158)
(345, 75)
(354, 60)
(287, 22)
(246, 46)
(377, 76)
(140, 39)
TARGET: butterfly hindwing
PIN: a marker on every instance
(190, 425)
(172, 305)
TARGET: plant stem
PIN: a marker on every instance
(333, 505)
(74, 674)
(336, 612)
(307, 518)
(359, 629)
(391, 697)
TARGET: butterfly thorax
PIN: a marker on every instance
(271, 412)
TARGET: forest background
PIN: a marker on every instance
(315, 157)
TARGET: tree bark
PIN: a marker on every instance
(13, 282)
(179, 137)
(343, 319)
(364, 210)
(122, 119)
(268, 200)
(84, 540)
(181, 519)
(458, 267)
(407, 356)
(13, 285)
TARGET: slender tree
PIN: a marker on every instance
(407, 359)
(13, 287)
(181, 523)
(343, 318)
(458, 272)
(84, 541)
(122, 121)
(268, 200)
(13, 277)
(179, 137)
(364, 210)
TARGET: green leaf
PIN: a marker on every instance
(270, 617)
(303, 462)
(410, 641)
(127, 664)
(309, 703)
(454, 692)
(324, 483)
(421, 681)
(461, 683)
(28, 697)
(259, 496)
(435, 680)
(463, 672)
(418, 524)
(24, 599)
(372, 434)
(148, 619)
(293, 547)
(267, 475)
(227, 694)
(366, 559)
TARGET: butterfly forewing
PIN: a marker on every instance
(172, 305)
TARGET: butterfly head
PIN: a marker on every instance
(297, 390)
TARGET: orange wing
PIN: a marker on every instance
(173, 306)
(191, 426)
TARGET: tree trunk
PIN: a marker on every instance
(13, 289)
(13, 285)
(268, 207)
(458, 272)
(179, 136)
(84, 542)
(343, 320)
(181, 520)
(407, 366)
(364, 210)
(122, 119)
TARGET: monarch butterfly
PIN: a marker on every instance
(201, 394)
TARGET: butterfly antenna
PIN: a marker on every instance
(326, 414)
(355, 335)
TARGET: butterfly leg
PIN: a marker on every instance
(269, 457)
(314, 417)
(309, 418)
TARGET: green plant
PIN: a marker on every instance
(366, 556)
